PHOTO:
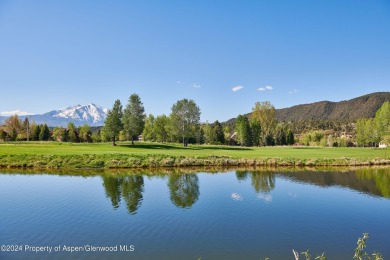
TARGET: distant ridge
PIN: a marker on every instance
(91, 114)
(348, 110)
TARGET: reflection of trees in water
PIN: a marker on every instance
(373, 181)
(132, 188)
(381, 177)
(184, 189)
(263, 181)
(129, 188)
(112, 188)
(242, 175)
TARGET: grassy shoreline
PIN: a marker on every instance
(152, 155)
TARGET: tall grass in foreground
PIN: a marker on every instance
(360, 254)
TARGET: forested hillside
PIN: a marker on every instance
(343, 111)
(350, 110)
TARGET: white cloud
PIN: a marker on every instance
(265, 88)
(236, 196)
(294, 91)
(237, 88)
(15, 112)
(194, 85)
(265, 198)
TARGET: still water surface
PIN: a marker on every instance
(223, 215)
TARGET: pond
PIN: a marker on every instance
(227, 214)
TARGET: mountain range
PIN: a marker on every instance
(88, 114)
(348, 110)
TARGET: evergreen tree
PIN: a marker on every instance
(134, 117)
(44, 135)
(36, 132)
(269, 140)
(72, 134)
(290, 137)
(113, 124)
(218, 137)
(280, 135)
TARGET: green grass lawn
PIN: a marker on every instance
(141, 148)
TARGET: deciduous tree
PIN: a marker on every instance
(243, 131)
(185, 117)
(149, 133)
(161, 126)
(265, 114)
(13, 126)
(85, 133)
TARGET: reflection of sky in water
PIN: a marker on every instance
(265, 210)
(236, 196)
(265, 197)
(292, 194)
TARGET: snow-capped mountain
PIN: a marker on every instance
(88, 114)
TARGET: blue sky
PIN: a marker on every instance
(54, 54)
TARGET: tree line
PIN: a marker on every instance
(181, 125)
(16, 129)
(259, 128)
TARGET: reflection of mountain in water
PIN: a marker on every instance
(368, 180)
